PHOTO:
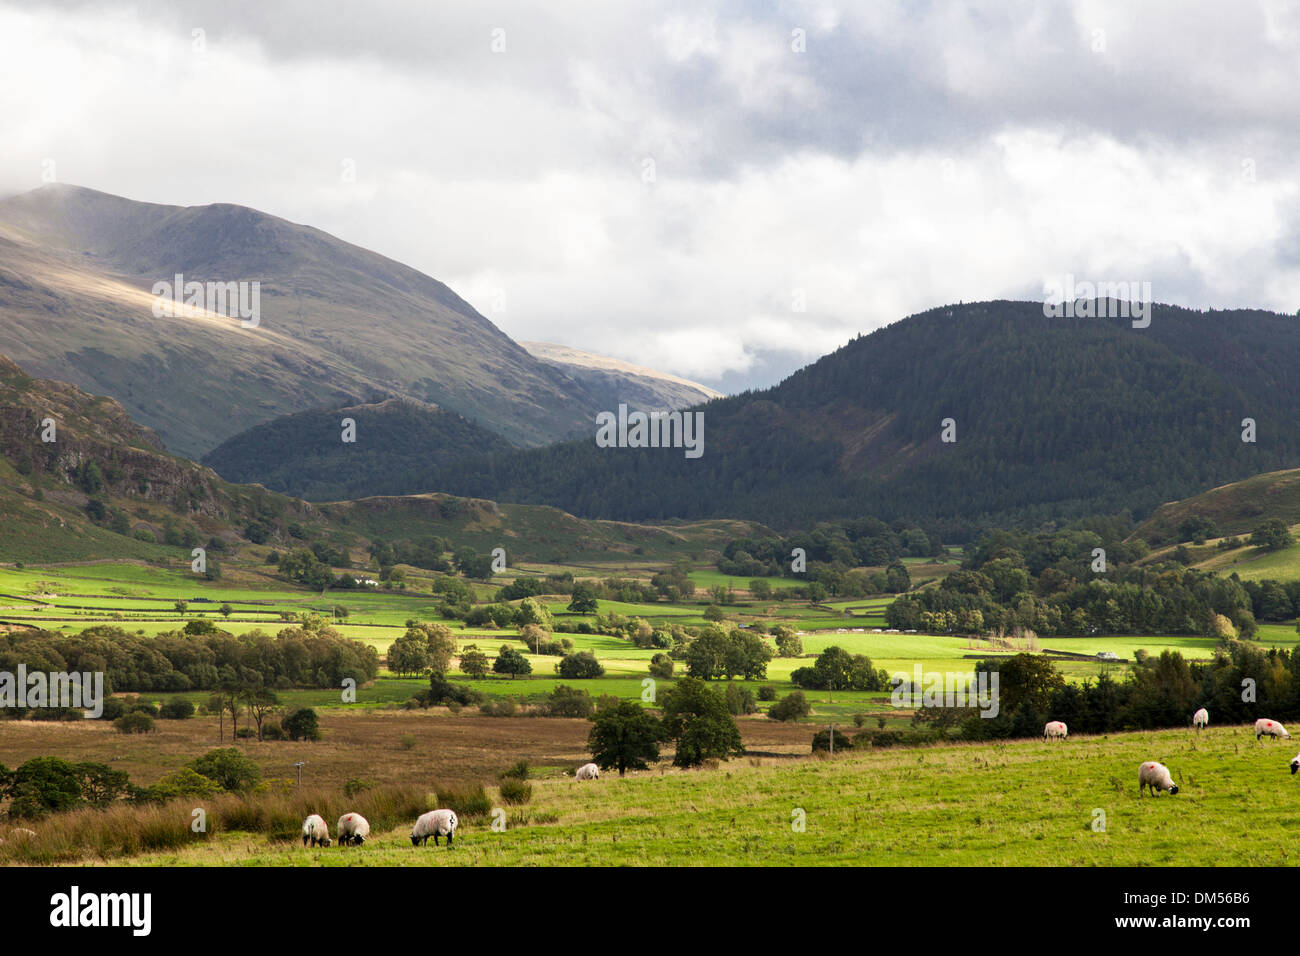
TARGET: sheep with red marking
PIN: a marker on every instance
(1156, 777)
(353, 829)
(1270, 728)
(315, 830)
(1055, 729)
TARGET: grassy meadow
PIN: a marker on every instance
(1070, 803)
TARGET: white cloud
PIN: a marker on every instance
(912, 156)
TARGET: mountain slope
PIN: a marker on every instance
(105, 488)
(614, 381)
(339, 324)
(304, 455)
(1054, 418)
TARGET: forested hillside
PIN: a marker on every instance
(1054, 418)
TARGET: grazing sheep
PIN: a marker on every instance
(1201, 718)
(315, 830)
(588, 771)
(1156, 776)
(353, 829)
(1295, 764)
(434, 824)
(1270, 727)
(1054, 728)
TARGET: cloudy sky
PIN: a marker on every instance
(722, 190)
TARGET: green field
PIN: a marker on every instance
(1024, 803)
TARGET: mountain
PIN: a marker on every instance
(105, 487)
(1237, 508)
(338, 325)
(304, 454)
(1054, 418)
(614, 381)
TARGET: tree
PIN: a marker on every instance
(788, 643)
(181, 607)
(697, 720)
(409, 654)
(580, 666)
(584, 599)
(624, 736)
(661, 666)
(101, 785)
(793, 706)
(302, 724)
(230, 767)
(473, 661)
(761, 589)
(1272, 535)
(510, 661)
(226, 610)
(713, 613)
(261, 702)
(532, 611)
(1024, 678)
(42, 785)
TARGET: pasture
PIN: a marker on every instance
(1022, 803)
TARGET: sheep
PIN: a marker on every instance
(1295, 764)
(588, 771)
(434, 824)
(1054, 728)
(1201, 718)
(1271, 727)
(353, 829)
(1156, 776)
(315, 830)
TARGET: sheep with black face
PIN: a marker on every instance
(434, 824)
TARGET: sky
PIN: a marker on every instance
(724, 191)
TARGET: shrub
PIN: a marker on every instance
(134, 723)
(355, 786)
(302, 724)
(505, 707)
(230, 767)
(661, 666)
(566, 701)
(794, 706)
(740, 699)
(178, 708)
(468, 800)
(822, 741)
(518, 772)
(516, 791)
(407, 741)
(271, 730)
(767, 692)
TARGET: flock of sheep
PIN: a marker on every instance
(1155, 776)
(353, 828)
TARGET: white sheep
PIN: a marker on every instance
(1156, 776)
(315, 830)
(1295, 764)
(1055, 728)
(1201, 718)
(434, 824)
(1270, 727)
(353, 829)
(588, 771)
